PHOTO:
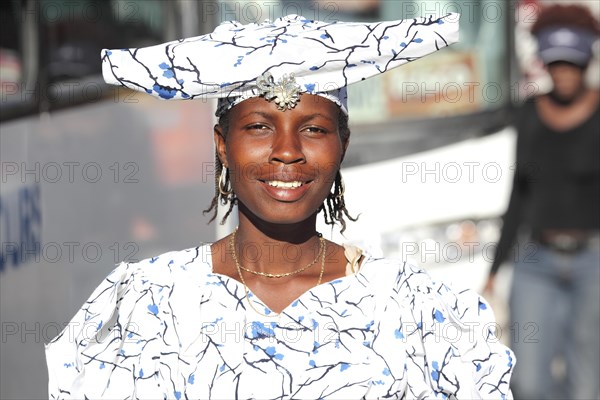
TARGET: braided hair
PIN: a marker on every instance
(333, 208)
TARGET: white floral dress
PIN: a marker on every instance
(170, 328)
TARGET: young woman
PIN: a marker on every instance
(274, 310)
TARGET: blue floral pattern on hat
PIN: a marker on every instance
(323, 56)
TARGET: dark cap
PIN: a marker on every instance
(572, 45)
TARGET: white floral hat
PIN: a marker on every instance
(278, 60)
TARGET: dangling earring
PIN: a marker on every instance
(223, 183)
(342, 188)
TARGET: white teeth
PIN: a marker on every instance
(285, 185)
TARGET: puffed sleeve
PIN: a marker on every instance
(451, 344)
(99, 353)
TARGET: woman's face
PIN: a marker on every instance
(282, 164)
(568, 80)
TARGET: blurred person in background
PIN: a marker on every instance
(555, 294)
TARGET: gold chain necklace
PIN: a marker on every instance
(283, 275)
(239, 268)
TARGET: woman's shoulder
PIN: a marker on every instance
(147, 279)
(171, 265)
(192, 255)
(411, 282)
(396, 274)
(131, 280)
(429, 300)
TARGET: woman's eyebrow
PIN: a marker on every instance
(259, 113)
(317, 115)
(270, 115)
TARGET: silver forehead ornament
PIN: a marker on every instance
(285, 92)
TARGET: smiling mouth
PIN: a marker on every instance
(285, 185)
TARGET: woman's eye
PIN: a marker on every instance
(315, 130)
(258, 127)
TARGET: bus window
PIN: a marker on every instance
(75, 32)
(467, 78)
(16, 96)
(10, 49)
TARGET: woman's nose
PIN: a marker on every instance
(286, 148)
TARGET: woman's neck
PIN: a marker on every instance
(275, 248)
(565, 117)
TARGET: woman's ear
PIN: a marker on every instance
(220, 145)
